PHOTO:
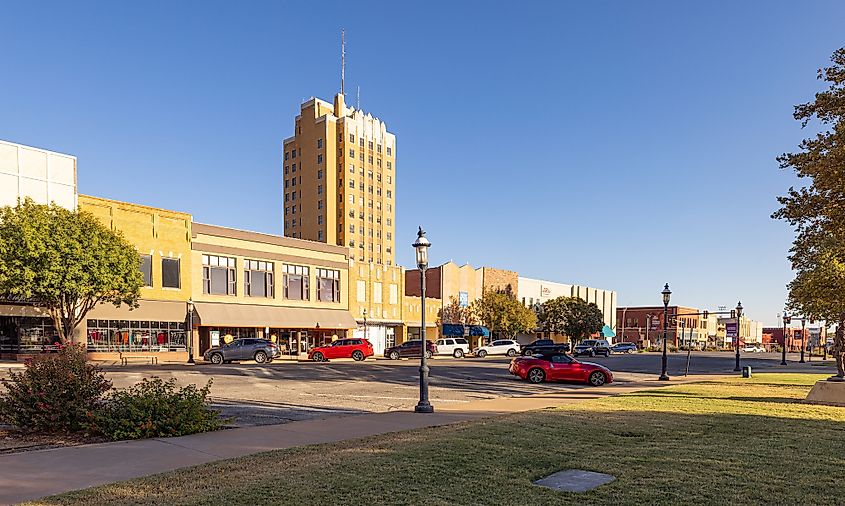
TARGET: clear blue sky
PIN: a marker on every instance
(613, 144)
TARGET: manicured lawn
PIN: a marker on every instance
(723, 442)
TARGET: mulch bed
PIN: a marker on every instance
(15, 441)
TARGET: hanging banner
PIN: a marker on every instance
(730, 329)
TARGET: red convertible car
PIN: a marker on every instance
(559, 367)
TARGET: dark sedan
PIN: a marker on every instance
(410, 349)
(260, 350)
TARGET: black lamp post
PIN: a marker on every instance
(803, 325)
(365, 323)
(738, 323)
(421, 245)
(666, 294)
(190, 333)
(786, 320)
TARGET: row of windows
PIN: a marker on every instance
(361, 143)
(369, 173)
(291, 153)
(292, 168)
(170, 272)
(369, 158)
(219, 278)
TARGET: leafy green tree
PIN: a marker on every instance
(454, 313)
(66, 262)
(503, 314)
(571, 316)
(817, 210)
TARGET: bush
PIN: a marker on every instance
(156, 408)
(56, 392)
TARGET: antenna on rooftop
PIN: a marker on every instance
(342, 59)
(358, 102)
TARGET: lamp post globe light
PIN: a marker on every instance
(664, 376)
(190, 333)
(738, 320)
(421, 246)
(786, 320)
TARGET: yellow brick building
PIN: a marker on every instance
(157, 326)
(340, 180)
(376, 302)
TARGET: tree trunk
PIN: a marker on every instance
(839, 346)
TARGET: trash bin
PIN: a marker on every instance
(746, 371)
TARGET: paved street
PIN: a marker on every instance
(287, 391)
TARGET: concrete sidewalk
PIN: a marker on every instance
(30, 475)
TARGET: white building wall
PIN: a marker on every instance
(43, 175)
(536, 291)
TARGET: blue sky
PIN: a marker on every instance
(614, 144)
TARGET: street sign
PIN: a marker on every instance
(730, 329)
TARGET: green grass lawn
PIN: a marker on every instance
(721, 442)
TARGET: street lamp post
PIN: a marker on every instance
(738, 320)
(666, 295)
(421, 245)
(803, 325)
(190, 333)
(786, 320)
(365, 323)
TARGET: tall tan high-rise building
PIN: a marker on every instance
(340, 180)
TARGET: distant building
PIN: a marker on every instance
(644, 325)
(536, 291)
(45, 176)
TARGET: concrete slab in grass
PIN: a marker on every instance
(574, 480)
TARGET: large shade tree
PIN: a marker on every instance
(816, 210)
(66, 262)
(571, 316)
(503, 314)
(456, 314)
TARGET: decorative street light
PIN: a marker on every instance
(738, 320)
(190, 333)
(365, 323)
(666, 295)
(803, 325)
(421, 245)
(786, 320)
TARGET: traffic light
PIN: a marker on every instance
(706, 314)
(733, 313)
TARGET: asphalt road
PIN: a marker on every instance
(253, 394)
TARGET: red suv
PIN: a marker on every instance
(359, 349)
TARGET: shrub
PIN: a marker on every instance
(156, 408)
(55, 392)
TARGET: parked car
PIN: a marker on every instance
(545, 346)
(410, 349)
(559, 367)
(357, 349)
(455, 346)
(624, 348)
(592, 347)
(507, 347)
(753, 349)
(260, 350)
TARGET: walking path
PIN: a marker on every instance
(30, 475)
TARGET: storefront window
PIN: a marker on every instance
(170, 273)
(218, 275)
(135, 335)
(328, 285)
(27, 334)
(258, 279)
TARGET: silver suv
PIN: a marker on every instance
(260, 350)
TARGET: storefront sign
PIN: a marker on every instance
(215, 338)
(463, 299)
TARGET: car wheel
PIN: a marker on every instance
(597, 378)
(260, 357)
(482, 353)
(524, 352)
(459, 353)
(511, 352)
(394, 355)
(629, 351)
(606, 354)
(427, 354)
(216, 358)
(357, 355)
(318, 357)
(536, 375)
(592, 353)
